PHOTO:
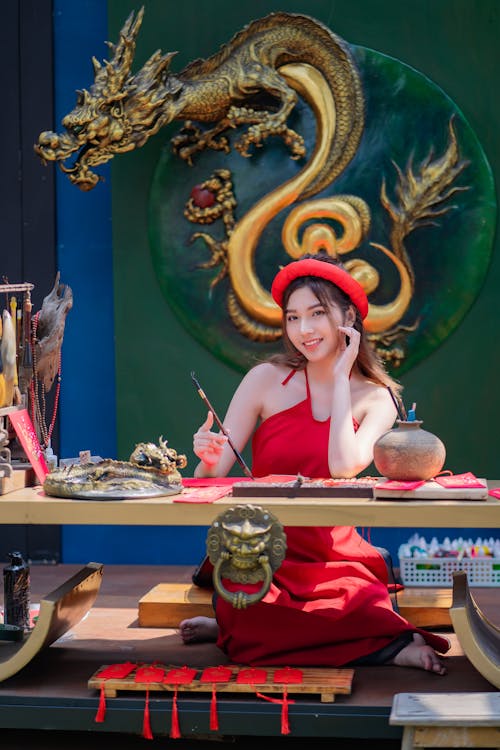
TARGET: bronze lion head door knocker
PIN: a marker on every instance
(245, 544)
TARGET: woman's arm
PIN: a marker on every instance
(215, 454)
(349, 450)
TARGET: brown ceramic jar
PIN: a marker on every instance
(409, 453)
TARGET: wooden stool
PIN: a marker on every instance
(166, 604)
(447, 719)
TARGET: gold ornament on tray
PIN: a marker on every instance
(152, 471)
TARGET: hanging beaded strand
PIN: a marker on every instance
(37, 392)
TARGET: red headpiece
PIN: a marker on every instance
(323, 270)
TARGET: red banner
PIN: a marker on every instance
(27, 436)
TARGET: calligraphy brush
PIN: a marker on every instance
(236, 452)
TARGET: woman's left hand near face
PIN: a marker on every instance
(348, 352)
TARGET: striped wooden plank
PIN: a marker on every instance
(324, 682)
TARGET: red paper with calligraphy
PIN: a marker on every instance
(460, 480)
(252, 676)
(25, 431)
(216, 674)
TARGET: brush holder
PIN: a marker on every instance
(408, 453)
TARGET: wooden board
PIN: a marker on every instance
(324, 682)
(442, 709)
(361, 487)
(167, 604)
(18, 479)
(433, 491)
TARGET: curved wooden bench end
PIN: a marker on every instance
(478, 636)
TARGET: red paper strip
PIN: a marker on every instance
(252, 676)
(288, 676)
(211, 481)
(216, 674)
(25, 431)
(202, 494)
(180, 676)
(276, 478)
(394, 484)
(460, 480)
(495, 493)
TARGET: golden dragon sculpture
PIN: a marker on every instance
(252, 84)
(121, 110)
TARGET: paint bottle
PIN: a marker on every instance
(16, 588)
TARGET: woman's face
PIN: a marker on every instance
(311, 327)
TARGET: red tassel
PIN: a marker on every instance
(101, 711)
(146, 724)
(285, 726)
(214, 720)
(175, 731)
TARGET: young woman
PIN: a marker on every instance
(319, 408)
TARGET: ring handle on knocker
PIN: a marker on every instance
(241, 599)
(245, 544)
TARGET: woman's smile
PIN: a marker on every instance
(312, 343)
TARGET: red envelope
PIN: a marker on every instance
(180, 676)
(216, 674)
(288, 676)
(252, 676)
(149, 673)
(202, 494)
(466, 480)
(394, 484)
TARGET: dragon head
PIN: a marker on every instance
(117, 114)
(159, 457)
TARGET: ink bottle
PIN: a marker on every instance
(16, 587)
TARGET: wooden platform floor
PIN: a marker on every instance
(51, 693)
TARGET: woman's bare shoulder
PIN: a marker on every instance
(266, 373)
(369, 396)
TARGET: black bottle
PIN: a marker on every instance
(16, 590)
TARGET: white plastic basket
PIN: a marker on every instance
(438, 571)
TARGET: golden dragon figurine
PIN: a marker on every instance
(239, 85)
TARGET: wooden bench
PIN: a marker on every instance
(478, 636)
(60, 611)
(165, 605)
(447, 719)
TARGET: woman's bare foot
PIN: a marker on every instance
(419, 654)
(199, 629)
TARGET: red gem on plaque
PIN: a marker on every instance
(202, 197)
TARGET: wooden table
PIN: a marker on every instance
(32, 506)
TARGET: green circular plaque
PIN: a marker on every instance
(410, 126)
